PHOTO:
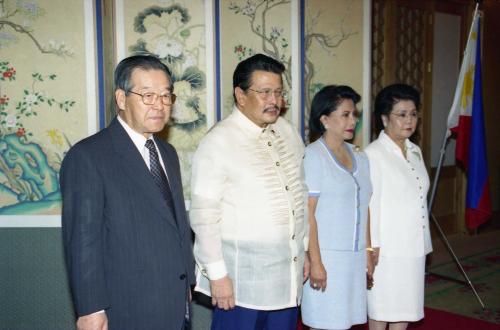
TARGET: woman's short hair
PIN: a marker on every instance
(389, 96)
(326, 101)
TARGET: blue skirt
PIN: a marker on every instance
(343, 303)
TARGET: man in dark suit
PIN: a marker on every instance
(126, 236)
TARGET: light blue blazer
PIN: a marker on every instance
(343, 196)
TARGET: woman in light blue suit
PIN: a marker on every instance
(338, 177)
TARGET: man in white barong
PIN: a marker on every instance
(248, 210)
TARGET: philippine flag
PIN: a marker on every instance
(466, 121)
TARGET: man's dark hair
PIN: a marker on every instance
(326, 101)
(124, 69)
(242, 76)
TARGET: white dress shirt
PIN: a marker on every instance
(398, 208)
(248, 211)
(140, 143)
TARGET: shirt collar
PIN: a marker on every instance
(250, 126)
(138, 139)
(390, 144)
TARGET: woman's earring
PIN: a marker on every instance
(326, 126)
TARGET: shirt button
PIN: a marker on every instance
(423, 227)
(293, 212)
(277, 163)
(418, 178)
(412, 169)
(423, 217)
(183, 276)
(269, 143)
(287, 188)
(295, 259)
(293, 237)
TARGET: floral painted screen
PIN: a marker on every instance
(333, 41)
(248, 27)
(43, 108)
(175, 32)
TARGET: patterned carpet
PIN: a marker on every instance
(483, 270)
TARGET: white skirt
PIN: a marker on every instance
(397, 294)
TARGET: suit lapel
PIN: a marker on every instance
(175, 183)
(137, 171)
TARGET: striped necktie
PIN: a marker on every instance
(159, 175)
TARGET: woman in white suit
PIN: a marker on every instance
(399, 223)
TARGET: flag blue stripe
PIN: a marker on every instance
(477, 173)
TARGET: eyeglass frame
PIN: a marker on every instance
(266, 93)
(414, 115)
(170, 96)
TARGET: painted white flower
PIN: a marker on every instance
(168, 47)
(190, 60)
(6, 39)
(30, 99)
(10, 121)
(275, 32)
(27, 5)
(59, 48)
(248, 9)
(26, 23)
(29, 8)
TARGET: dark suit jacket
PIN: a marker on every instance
(124, 252)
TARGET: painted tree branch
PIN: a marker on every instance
(20, 29)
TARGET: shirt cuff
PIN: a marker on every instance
(99, 312)
(306, 244)
(216, 270)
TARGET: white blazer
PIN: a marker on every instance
(399, 222)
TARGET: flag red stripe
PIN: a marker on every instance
(462, 132)
(480, 214)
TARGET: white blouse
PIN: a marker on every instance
(248, 211)
(399, 222)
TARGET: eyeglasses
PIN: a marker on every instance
(403, 115)
(151, 98)
(267, 93)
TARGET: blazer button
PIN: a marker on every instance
(183, 276)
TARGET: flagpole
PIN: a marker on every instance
(432, 198)
(440, 230)
(468, 281)
(438, 170)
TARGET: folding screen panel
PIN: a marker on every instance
(47, 102)
(176, 33)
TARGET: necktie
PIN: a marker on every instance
(159, 175)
